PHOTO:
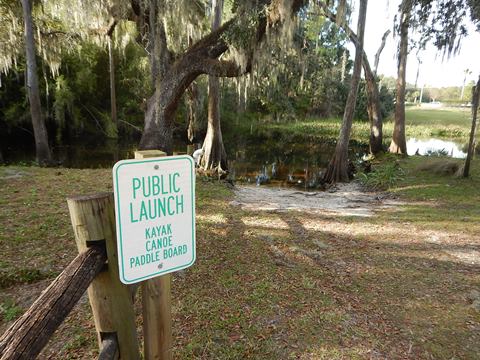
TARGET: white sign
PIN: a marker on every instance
(155, 216)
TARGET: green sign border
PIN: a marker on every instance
(120, 237)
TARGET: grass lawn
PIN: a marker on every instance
(420, 123)
(276, 285)
(441, 123)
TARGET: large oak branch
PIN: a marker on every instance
(202, 58)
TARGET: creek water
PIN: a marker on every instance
(281, 159)
(436, 146)
(268, 157)
(273, 157)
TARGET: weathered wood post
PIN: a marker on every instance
(156, 304)
(93, 222)
(27, 336)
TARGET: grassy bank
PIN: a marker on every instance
(420, 123)
(276, 285)
(451, 123)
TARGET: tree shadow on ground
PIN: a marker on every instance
(334, 295)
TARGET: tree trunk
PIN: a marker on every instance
(242, 95)
(158, 130)
(471, 143)
(192, 109)
(399, 142)
(113, 95)
(161, 106)
(191, 101)
(43, 154)
(337, 170)
(214, 156)
(373, 98)
(374, 110)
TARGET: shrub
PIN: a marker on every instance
(383, 177)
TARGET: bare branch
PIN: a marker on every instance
(111, 27)
(379, 51)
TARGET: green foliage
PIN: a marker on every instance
(11, 37)
(387, 104)
(78, 99)
(361, 111)
(15, 112)
(383, 176)
(240, 35)
(443, 22)
(302, 74)
(75, 93)
(9, 310)
(448, 95)
(304, 78)
(133, 84)
(20, 276)
(387, 101)
(13, 102)
(437, 153)
(108, 127)
(63, 103)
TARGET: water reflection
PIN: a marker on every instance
(263, 157)
(280, 159)
(435, 146)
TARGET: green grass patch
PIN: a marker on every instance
(420, 123)
(9, 310)
(438, 201)
(438, 117)
(12, 277)
(421, 183)
(438, 123)
(383, 176)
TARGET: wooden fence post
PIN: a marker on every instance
(156, 303)
(93, 222)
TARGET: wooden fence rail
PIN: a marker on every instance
(95, 268)
(30, 333)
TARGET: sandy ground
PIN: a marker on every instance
(344, 199)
